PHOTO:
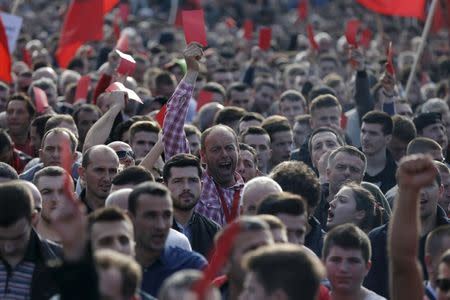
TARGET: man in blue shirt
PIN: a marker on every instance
(151, 209)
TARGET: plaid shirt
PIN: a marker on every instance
(175, 142)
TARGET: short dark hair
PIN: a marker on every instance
(251, 116)
(287, 267)
(228, 115)
(16, 203)
(245, 147)
(133, 175)
(379, 117)
(6, 171)
(256, 130)
(422, 145)
(237, 86)
(350, 150)
(273, 221)
(147, 126)
(403, 128)
(283, 203)
(433, 244)
(297, 178)
(55, 120)
(181, 160)
(347, 236)
(59, 130)
(23, 98)
(40, 122)
(50, 171)
(324, 101)
(191, 130)
(274, 124)
(214, 87)
(86, 108)
(108, 214)
(293, 95)
(151, 188)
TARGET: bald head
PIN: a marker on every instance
(98, 150)
(45, 72)
(37, 198)
(255, 191)
(119, 198)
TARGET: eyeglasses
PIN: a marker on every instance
(123, 154)
(443, 284)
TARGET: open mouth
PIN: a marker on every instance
(225, 166)
(330, 215)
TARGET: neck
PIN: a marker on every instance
(145, 257)
(183, 216)
(376, 161)
(20, 138)
(235, 289)
(93, 201)
(427, 224)
(45, 230)
(225, 182)
(348, 295)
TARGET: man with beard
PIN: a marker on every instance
(222, 185)
(182, 174)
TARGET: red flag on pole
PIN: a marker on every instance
(5, 58)
(402, 8)
(302, 9)
(83, 23)
(82, 88)
(389, 60)
(248, 29)
(265, 37)
(310, 34)
(351, 31)
(161, 115)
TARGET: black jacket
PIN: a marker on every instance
(314, 239)
(377, 279)
(203, 231)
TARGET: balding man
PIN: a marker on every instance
(98, 167)
(255, 191)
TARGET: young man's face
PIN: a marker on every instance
(291, 109)
(295, 226)
(185, 187)
(301, 131)
(373, 140)
(429, 198)
(115, 235)
(14, 240)
(321, 143)
(344, 168)
(17, 117)
(261, 143)
(281, 146)
(247, 166)
(53, 194)
(346, 269)
(326, 117)
(143, 142)
(436, 132)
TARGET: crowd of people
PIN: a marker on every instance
(294, 172)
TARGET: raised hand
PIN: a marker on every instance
(357, 59)
(416, 172)
(192, 54)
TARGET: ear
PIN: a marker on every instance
(368, 266)
(74, 156)
(40, 154)
(202, 155)
(441, 191)
(328, 172)
(34, 218)
(82, 173)
(428, 263)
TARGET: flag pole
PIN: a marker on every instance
(173, 11)
(426, 31)
(14, 6)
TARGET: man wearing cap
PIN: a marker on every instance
(430, 125)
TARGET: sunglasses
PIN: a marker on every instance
(123, 154)
(443, 284)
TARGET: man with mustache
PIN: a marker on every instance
(182, 174)
(376, 133)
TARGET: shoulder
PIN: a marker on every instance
(378, 232)
(185, 259)
(208, 222)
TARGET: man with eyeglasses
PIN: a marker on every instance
(125, 154)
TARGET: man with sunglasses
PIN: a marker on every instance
(125, 154)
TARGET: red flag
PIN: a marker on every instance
(366, 37)
(310, 33)
(194, 26)
(40, 99)
(403, 8)
(26, 57)
(161, 115)
(302, 9)
(389, 63)
(351, 31)
(221, 252)
(441, 18)
(248, 29)
(82, 88)
(116, 26)
(83, 23)
(5, 58)
(204, 97)
(265, 36)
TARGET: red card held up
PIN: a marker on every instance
(302, 9)
(248, 30)
(265, 36)
(351, 31)
(366, 38)
(389, 60)
(161, 115)
(82, 88)
(118, 86)
(203, 98)
(40, 99)
(127, 63)
(194, 26)
(310, 34)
